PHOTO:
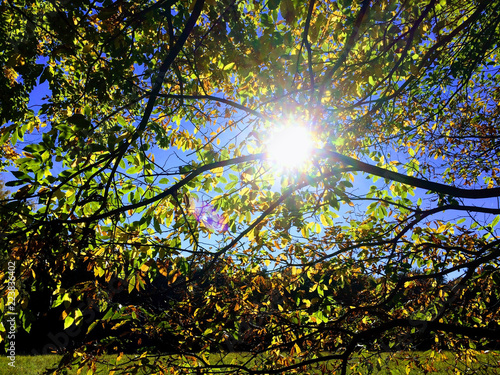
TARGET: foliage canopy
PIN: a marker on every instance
(143, 164)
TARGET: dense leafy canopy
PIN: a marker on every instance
(144, 208)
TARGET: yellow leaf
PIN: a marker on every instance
(10, 74)
(297, 349)
(323, 220)
(251, 235)
(78, 314)
(305, 232)
(218, 171)
(317, 228)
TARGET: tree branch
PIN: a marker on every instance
(410, 180)
(170, 191)
(173, 53)
(217, 99)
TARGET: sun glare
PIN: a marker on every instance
(290, 147)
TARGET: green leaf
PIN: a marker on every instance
(87, 111)
(495, 222)
(80, 121)
(121, 121)
(68, 321)
(131, 284)
(156, 225)
(109, 314)
(183, 267)
(15, 183)
(273, 4)
(92, 326)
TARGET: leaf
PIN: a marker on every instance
(109, 314)
(305, 232)
(218, 171)
(16, 183)
(273, 4)
(326, 220)
(287, 10)
(495, 221)
(183, 267)
(131, 284)
(92, 326)
(68, 321)
(121, 121)
(80, 121)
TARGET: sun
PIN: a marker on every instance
(289, 147)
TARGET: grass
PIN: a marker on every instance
(394, 364)
(442, 363)
(28, 364)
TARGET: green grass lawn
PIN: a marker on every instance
(28, 364)
(397, 363)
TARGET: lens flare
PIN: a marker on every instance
(205, 214)
(290, 147)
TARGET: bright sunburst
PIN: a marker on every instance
(290, 147)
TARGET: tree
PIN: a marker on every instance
(153, 162)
